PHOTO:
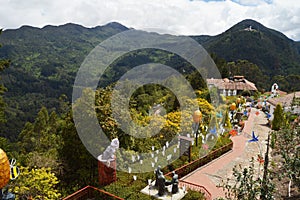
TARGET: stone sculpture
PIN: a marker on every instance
(174, 183)
(109, 154)
(157, 173)
(161, 184)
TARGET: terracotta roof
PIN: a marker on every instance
(279, 92)
(284, 100)
(239, 83)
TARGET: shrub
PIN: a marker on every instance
(278, 120)
(193, 195)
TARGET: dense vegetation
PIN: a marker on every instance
(44, 63)
(36, 125)
(271, 50)
(49, 148)
(3, 65)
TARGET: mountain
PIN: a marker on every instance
(249, 40)
(44, 62)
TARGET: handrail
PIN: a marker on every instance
(75, 194)
(202, 158)
(86, 192)
(107, 193)
(201, 188)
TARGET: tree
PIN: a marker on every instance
(7, 146)
(293, 81)
(279, 118)
(36, 183)
(245, 185)
(39, 141)
(79, 166)
(281, 81)
(287, 144)
(42, 135)
(3, 64)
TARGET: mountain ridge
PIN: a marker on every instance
(44, 61)
(268, 48)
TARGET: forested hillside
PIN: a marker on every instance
(249, 40)
(38, 67)
(43, 66)
(44, 62)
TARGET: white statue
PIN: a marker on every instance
(274, 90)
(109, 154)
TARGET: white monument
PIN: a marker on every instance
(274, 90)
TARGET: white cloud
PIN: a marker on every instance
(252, 2)
(176, 16)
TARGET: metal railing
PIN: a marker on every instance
(188, 168)
(90, 192)
(195, 187)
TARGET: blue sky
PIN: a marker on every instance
(184, 17)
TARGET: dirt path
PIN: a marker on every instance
(211, 175)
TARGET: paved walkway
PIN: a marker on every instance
(211, 175)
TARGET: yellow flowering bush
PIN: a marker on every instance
(36, 183)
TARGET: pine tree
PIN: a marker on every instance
(279, 118)
(80, 166)
(39, 141)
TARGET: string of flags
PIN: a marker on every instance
(155, 154)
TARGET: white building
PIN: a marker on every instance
(232, 87)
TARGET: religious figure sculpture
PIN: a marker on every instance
(174, 183)
(157, 173)
(161, 184)
(109, 154)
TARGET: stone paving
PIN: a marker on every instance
(152, 191)
(210, 176)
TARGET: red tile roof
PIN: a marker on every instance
(238, 83)
(284, 100)
(279, 92)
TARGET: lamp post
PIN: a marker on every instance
(197, 117)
